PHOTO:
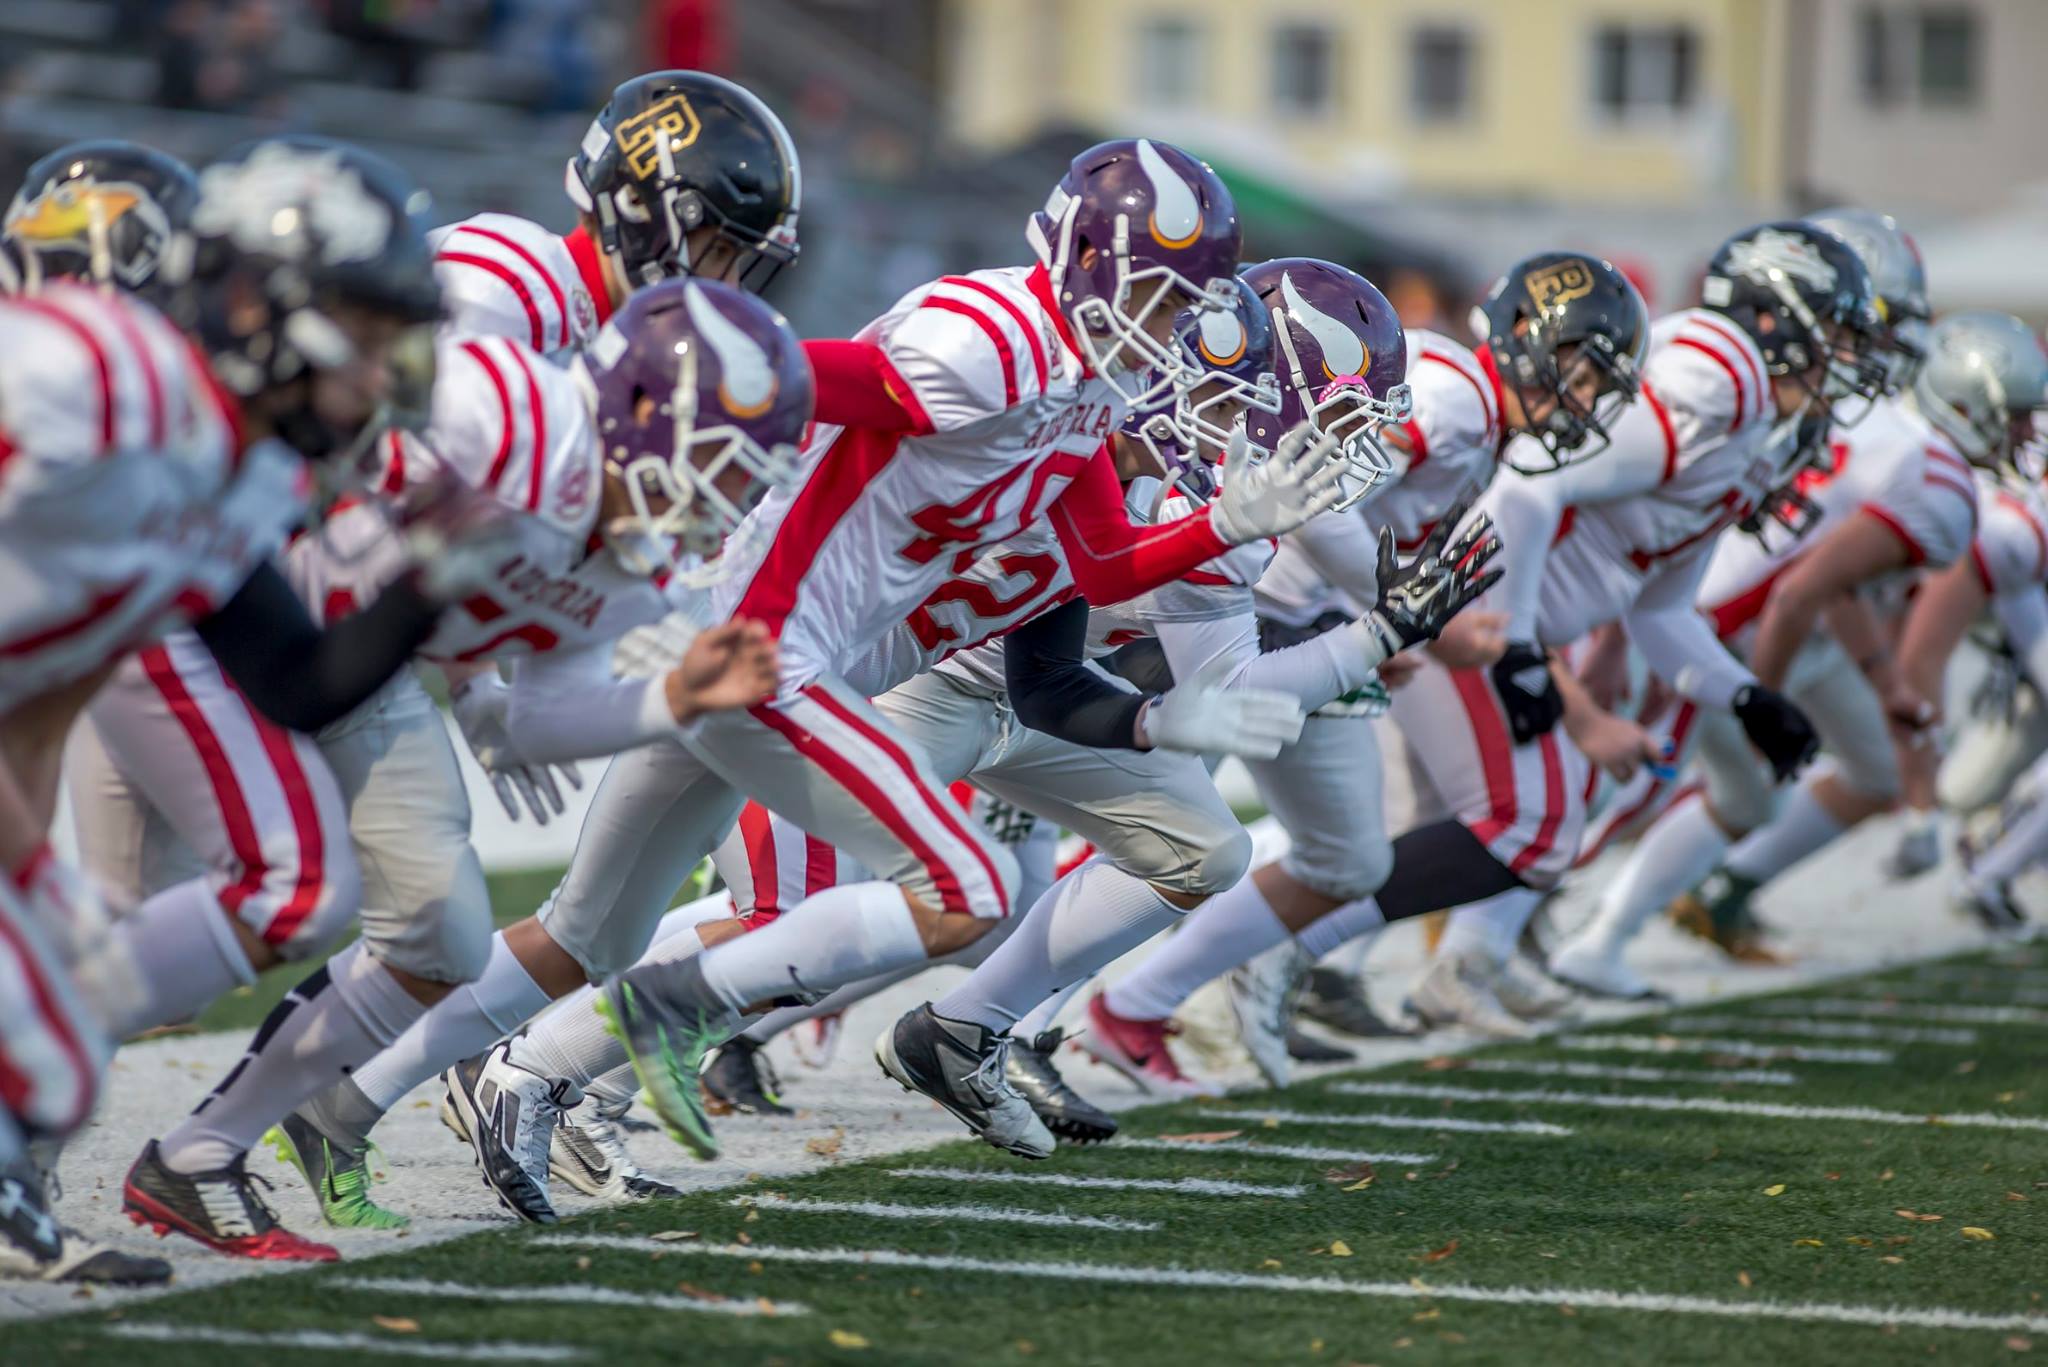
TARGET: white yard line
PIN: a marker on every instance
(1982, 1120)
(1184, 1186)
(1916, 1011)
(1814, 1029)
(988, 1215)
(328, 1341)
(574, 1293)
(1579, 1298)
(1618, 1072)
(1259, 1150)
(1988, 975)
(1734, 1048)
(1395, 1122)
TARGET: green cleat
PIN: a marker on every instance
(339, 1176)
(667, 1035)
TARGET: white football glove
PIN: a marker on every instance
(480, 706)
(1203, 717)
(1271, 496)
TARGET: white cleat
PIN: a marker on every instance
(588, 1152)
(1600, 975)
(1456, 993)
(1263, 993)
(1532, 994)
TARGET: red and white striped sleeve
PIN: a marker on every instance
(2010, 549)
(1704, 382)
(1457, 413)
(1929, 501)
(506, 421)
(507, 277)
(966, 348)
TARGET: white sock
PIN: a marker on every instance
(1677, 851)
(570, 1040)
(1046, 1012)
(1352, 924)
(185, 955)
(1800, 828)
(1485, 932)
(2019, 847)
(826, 941)
(1082, 923)
(327, 1025)
(466, 1021)
(1229, 929)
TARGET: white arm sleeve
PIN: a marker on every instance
(1677, 640)
(2024, 618)
(1316, 671)
(1344, 550)
(568, 705)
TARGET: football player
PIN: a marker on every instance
(1326, 790)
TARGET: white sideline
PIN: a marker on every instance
(1258, 1150)
(1812, 1029)
(1913, 993)
(1917, 1011)
(1397, 1122)
(1981, 1120)
(1579, 1298)
(328, 1341)
(1989, 974)
(988, 1215)
(572, 1292)
(1762, 1077)
(1185, 1186)
(1734, 1048)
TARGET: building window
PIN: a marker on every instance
(1304, 71)
(1948, 56)
(1918, 54)
(1169, 62)
(1645, 69)
(1440, 75)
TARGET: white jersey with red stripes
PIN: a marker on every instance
(1697, 439)
(505, 421)
(503, 276)
(129, 506)
(2010, 549)
(1008, 415)
(1455, 436)
(1008, 585)
(1219, 588)
(1892, 465)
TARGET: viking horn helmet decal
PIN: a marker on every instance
(1343, 353)
(746, 380)
(1176, 213)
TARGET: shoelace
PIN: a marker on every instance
(238, 1183)
(987, 1078)
(604, 1137)
(537, 1129)
(353, 1180)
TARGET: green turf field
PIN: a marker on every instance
(1657, 1191)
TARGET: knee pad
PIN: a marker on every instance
(1345, 875)
(1224, 866)
(444, 938)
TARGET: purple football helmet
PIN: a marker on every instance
(1229, 355)
(1342, 359)
(732, 395)
(1161, 223)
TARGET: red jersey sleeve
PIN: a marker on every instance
(858, 387)
(1110, 558)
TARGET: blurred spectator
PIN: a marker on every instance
(691, 35)
(215, 55)
(180, 47)
(389, 34)
(543, 40)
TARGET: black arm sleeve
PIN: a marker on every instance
(1053, 690)
(303, 677)
(1141, 664)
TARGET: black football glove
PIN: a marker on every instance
(1418, 599)
(1521, 677)
(1777, 728)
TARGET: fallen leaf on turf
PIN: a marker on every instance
(826, 1146)
(752, 1216)
(1775, 1189)
(1418, 1284)
(698, 1293)
(423, 1105)
(1339, 1249)
(1358, 1186)
(1565, 1308)
(1896, 1240)
(1833, 1176)
(583, 1264)
(1743, 1277)
(2018, 1344)
(1269, 1123)
(2007, 1096)
(1315, 1345)
(1202, 1137)
(1443, 1063)
(2014, 1196)
(1860, 1241)
(1404, 1342)
(1270, 1262)
(1808, 1243)
(669, 1236)
(1891, 1258)
(1350, 1178)
(1421, 1316)
(1451, 1336)
(755, 1267)
(1885, 1176)
(1318, 1251)
(764, 1305)
(1979, 1233)
(1968, 1065)
(1916, 1215)
(397, 1324)
(846, 1338)
(1026, 1347)
(1437, 1255)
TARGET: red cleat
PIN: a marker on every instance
(1138, 1050)
(221, 1209)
